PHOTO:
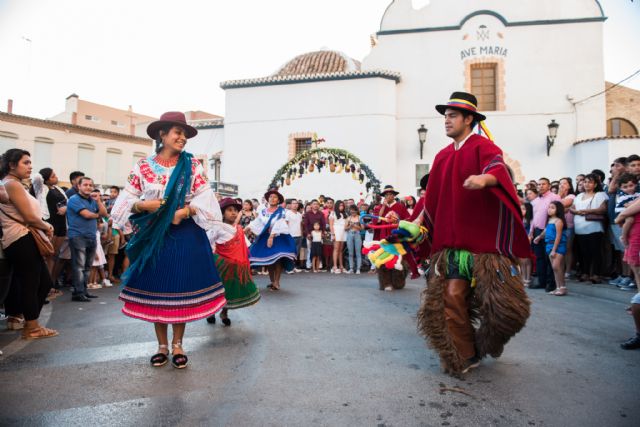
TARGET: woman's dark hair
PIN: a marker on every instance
(354, 208)
(413, 201)
(336, 209)
(528, 212)
(11, 156)
(46, 173)
(163, 129)
(560, 213)
(533, 190)
(570, 182)
(596, 179)
(601, 175)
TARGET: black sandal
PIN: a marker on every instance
(179, 361)
(225, 320)
(159, 359)
(212, 319)
(270, 286)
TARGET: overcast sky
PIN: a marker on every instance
(162, 55)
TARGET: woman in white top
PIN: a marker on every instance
(337, 223)
(589, 210)
(17, 212)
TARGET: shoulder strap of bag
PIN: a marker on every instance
(14, 219)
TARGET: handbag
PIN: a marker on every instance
(595, 217)
(45, 247)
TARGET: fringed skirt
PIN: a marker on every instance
(181, 286)
(239, 289)
(283, 248)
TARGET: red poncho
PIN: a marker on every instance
(480, 221)
(382, 211)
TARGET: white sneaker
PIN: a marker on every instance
(290, 272)
(336, 270)
(388, 289)
(297, 270)
(107, 283)
(348, 272)
(357, 271)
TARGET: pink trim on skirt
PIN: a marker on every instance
(177, 315)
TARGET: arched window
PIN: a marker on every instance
(620, 127)
(7, 141)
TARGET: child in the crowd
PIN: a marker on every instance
(316, 247)
(628, 186)
(556, 244)
(97, 276)
(231, 255)
(631, 239)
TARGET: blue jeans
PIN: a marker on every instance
(354, 245)
(83, 250)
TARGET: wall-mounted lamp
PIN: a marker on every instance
(553, 132)
(422, 137)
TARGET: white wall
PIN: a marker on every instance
(208, 141)
(357, 115)
(544, 64)
(599, 154)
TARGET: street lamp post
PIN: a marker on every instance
(553, 132)
(422, 137)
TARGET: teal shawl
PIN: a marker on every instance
(152, 228)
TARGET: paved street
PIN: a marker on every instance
(326, 350)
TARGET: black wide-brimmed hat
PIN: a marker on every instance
(424, 181)
(276, 192)
(227, 202)
(171, 118)
(389, 189)
(462, 101)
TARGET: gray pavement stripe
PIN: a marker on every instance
(80, 356)
(18, 344)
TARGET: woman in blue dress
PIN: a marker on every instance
(274, 247)
(172, 278)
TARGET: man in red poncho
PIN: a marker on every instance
(393, 212)
(473, 215)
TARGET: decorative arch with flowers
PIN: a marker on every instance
(333, 160)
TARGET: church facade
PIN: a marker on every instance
(530, 63)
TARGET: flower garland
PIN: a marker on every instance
(334, 159)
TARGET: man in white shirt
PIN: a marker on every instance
(294, 219)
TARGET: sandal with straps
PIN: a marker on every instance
(179, 361)
(160, 358)
(38, 332)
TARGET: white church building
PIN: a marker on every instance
(529, 62)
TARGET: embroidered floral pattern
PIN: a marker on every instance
(134, 181)
(150, 175)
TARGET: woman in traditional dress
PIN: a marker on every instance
(232, 260)
(172, 278)
(274, 247)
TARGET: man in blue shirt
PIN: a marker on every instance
(83, 211)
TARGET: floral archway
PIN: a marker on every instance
(332, 160)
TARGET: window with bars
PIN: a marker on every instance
(302, 144)
(484, 85)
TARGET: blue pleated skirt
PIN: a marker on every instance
(283, 248)
(182, 286)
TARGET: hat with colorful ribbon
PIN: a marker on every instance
(464, 101)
